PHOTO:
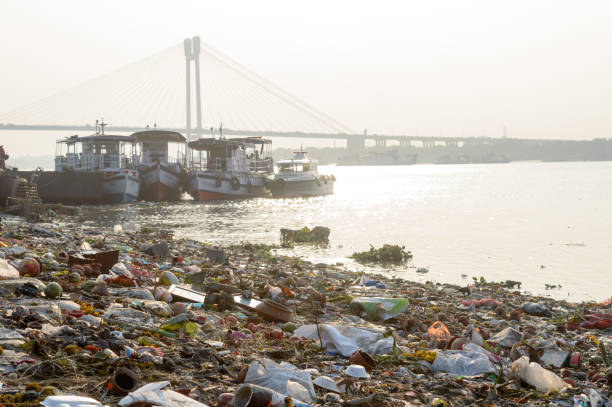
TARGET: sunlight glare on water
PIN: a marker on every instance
(538, 223)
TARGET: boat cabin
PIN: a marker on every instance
(236, 155)
(299, 163)
(161, 146)
(97, 152)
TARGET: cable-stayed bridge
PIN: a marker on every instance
(158, 89)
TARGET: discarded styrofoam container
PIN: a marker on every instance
(357, 371)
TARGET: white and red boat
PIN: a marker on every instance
(162, 174)
(229, 168)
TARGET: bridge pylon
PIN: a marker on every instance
(192, 53)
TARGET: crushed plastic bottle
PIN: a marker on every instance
(535, 375)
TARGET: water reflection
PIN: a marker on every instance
(500, 221)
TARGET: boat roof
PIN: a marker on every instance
(300, 161)
(159, 135)
(208, 143)
(252, 140)
(96, 138)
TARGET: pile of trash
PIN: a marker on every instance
(93, 318)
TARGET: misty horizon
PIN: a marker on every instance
(415, 69)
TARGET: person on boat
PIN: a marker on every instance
(3, 157)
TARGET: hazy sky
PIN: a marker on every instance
(439, 68)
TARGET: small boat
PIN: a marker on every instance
(299, 176)
(229, 168)
(107, 159)
(162, 175)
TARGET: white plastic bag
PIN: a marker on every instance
(462, 363)
(155, 394)
(345, 340)
(286, 380)
(70, 401)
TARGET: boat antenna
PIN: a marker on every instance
(221, 131)
(102, 125)
(212, 132)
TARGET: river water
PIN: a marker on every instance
(538, 223)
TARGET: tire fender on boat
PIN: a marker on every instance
(235, 182)
(317, 181)
(218, 181)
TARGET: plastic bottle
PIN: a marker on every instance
(535, 375)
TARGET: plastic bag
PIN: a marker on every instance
(284, 379)
(70, 401)
(346, 339)
(381, 308)
(462, 363)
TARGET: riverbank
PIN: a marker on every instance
(430, 343)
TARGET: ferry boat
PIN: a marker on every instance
(299, 176)
(162, 175)
(107, 158)
(229, 168)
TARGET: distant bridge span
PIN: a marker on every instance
(355, 142)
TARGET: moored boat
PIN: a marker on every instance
(299, 176)
(229, 168)
(162, 175)
(112, 157)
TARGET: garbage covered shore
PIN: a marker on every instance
(141, 318)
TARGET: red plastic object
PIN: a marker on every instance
(488, 302)
(122, 281)
(574, 360)
(598, 321)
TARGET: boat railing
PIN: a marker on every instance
(92, 162)
(263, 165)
